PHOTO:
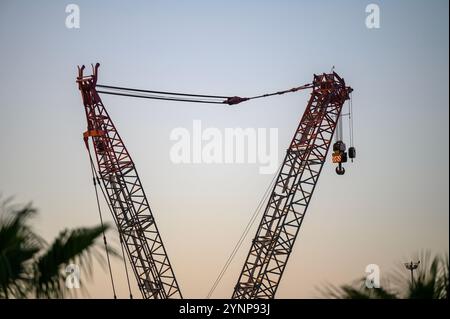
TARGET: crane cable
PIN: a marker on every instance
(122, 244)
(120, 235)
(125, 265)
(95, 178)
(188, 97)
(94, 174)
(351, 129)
(243, 235)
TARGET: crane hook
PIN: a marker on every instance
(340, 170)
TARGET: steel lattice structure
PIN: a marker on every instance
(283, 215)
(293, 189)
(126, 198)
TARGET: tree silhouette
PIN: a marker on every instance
(29, 267)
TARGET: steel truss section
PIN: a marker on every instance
(293, 189)
(126, 198)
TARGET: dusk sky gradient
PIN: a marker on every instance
(392, 202)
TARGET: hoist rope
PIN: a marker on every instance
(243, 235)
(122, 244)
(352, 138)
(188, 97)
(155, 97)
(160, 92)
(125, 265)
(120, 235)
(120, 239)
(94, 175)
(303, 87)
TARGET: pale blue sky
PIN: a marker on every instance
(392, 202)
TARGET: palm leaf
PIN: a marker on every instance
(431, 281)
(71, 246)
(443, 284)
(357, 290)
(18, 245)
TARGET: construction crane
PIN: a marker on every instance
(126, 198)
(114, 171)
(293, 190)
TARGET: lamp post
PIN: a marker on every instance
(411, 266)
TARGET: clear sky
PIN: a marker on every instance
(392, 202)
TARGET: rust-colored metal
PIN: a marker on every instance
(126, 198)
(294, 187)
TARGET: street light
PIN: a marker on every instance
(411, 266)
